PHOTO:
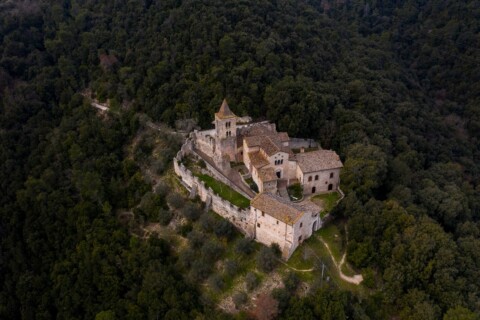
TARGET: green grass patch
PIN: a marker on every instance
(327, 201)
(225, 191)
(332, 236)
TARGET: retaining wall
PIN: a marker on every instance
(240, 218)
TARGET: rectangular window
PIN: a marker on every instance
(299, 238)
(277, 221)
(331, 174)
(263, 214)
(258, 225)
(301, 224)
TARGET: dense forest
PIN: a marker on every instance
(392, 86)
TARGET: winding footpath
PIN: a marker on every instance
(356, 279)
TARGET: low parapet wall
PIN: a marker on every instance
(240, 218)
(297, 143)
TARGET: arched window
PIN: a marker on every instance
(316, 177)
(309, 178)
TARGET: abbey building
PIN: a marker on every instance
(274, 162)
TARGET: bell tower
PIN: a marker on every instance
(225, 134)
(225, 122)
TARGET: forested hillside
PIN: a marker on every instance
(392, 86)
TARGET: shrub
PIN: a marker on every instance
(276, 249)
(211, 250)
(244, 246)
(185, 229)
(251, 280)
(231, 268)
(282, 295)
(216, 282)
(239, 298)
(223, 228)
(200, 269)
(291, 281)
(164, 216)
(196, 239)
(266, 259)
(191, 211)
(186, 258)
(207, 222)
(161, 189)
(175, 200)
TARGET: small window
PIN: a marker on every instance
(331, 174)
(258, 225)
(299, 238)
(301, 224)
(277, 221)
(263, 214)
(309, 178)
(316, 177)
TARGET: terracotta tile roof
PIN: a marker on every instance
(282, 209)
(257, 159)
(265, 136)
(267, 174)
(257, 130)
(283, 136)
(270, 144)
(224, 112)
(318, 160)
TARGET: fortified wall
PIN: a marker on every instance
(242, 219)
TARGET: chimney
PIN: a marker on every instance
(302, 150)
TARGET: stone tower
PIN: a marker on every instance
(226, 133)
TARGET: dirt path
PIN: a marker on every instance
(295, 269)
(356, 279)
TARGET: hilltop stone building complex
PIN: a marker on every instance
(273, 165)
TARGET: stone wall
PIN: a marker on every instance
(240, 218)
(205, 141)
(323, 181)
(297, 143)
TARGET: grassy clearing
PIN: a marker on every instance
(313, 253)
(327, 201)
(225, 191)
